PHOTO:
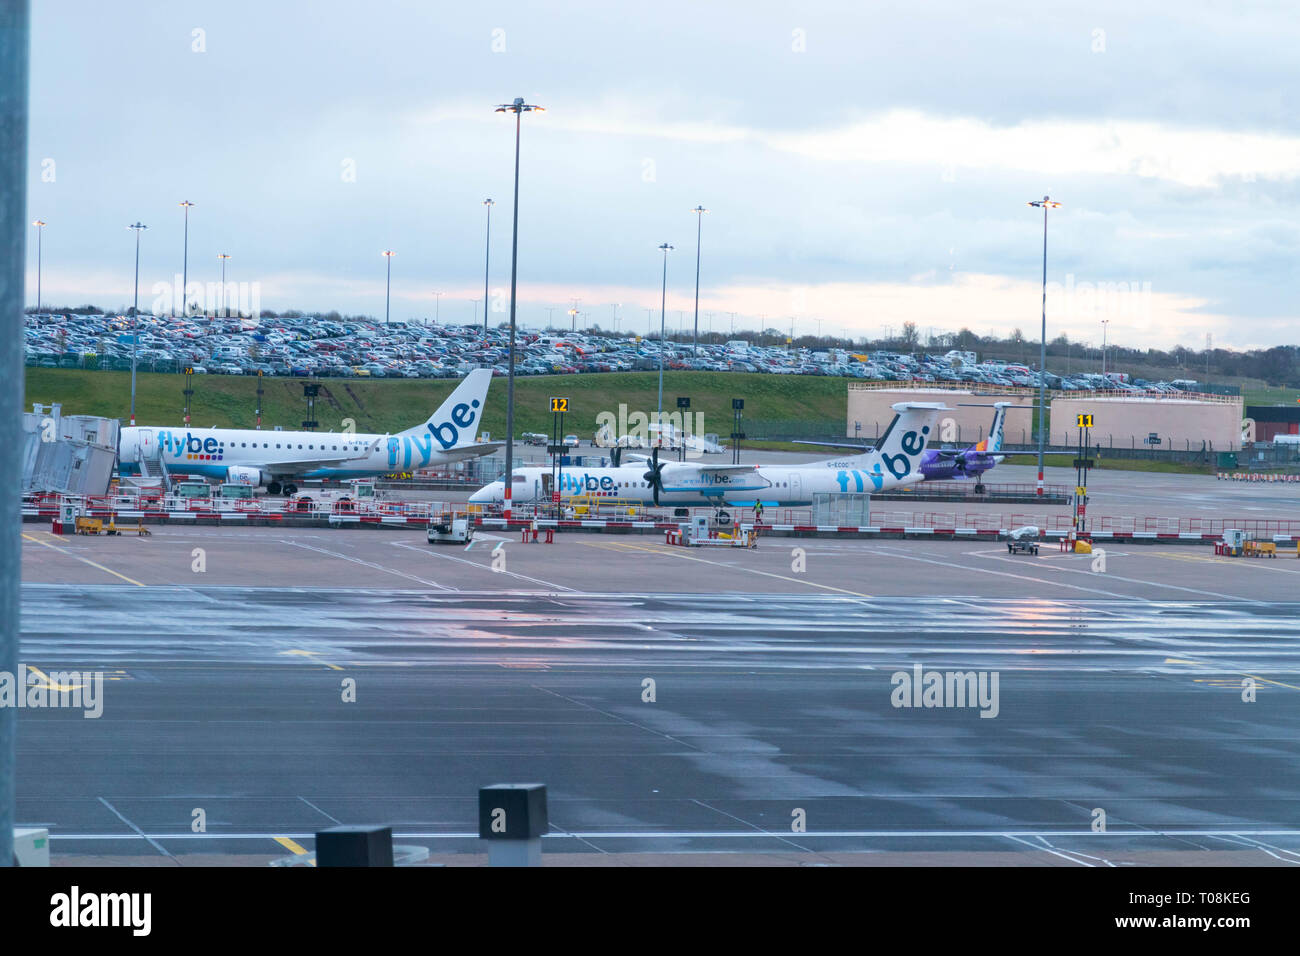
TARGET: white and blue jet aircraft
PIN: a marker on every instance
(276, 459)
(895, 461)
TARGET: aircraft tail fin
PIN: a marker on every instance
(994, 442)
(898, 452)
(453, 424)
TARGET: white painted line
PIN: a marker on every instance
(112, 809)
(367, 564)
(994, 556)
(709, 834)
(1046, 849)
(482, 567)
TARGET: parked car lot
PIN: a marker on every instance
(317, 346)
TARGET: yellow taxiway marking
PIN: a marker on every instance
(1200, 680)
(93, 564)
(44, 677)
(292, 846)
(1265, 563)
(670, 552)
(302, 653)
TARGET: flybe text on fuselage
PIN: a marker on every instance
(191, 447)
(573, 484)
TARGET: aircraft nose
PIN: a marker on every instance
(482, 496)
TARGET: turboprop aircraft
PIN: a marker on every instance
(895, 461)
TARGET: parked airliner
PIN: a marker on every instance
(895, 461)
(276, 459)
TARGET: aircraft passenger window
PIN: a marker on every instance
(277, 444)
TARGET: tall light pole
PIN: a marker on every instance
(699, 211)
(487, 260)
(185, 262)
(15, 36)
(135, 312)
(223, 257)
(388, 284)
(573, 318)
(1104, 323)
(518, 107)
(39, 224)
(733, 323)
(1046, 203)
(663, 302)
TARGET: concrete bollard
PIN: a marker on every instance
(512, 818)
(354, 846)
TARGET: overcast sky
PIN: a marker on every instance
(863, 164)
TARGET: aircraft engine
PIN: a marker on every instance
(243, 475)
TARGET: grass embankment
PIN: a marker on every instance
(387, 405)
(1116, 464)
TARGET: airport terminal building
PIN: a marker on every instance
(1180, 422)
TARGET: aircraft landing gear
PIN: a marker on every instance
(273, 488)
(290, 489)
(723, 518)
(979, 488)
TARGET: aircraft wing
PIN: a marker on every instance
(713, 479)
(471, 451)
(295, 467)
(710, 469)
(726, 469)
(833, 444)
(300, 465)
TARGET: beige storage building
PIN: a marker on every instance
(870, 411)
(1182, 422)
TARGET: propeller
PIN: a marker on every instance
(655, 475)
